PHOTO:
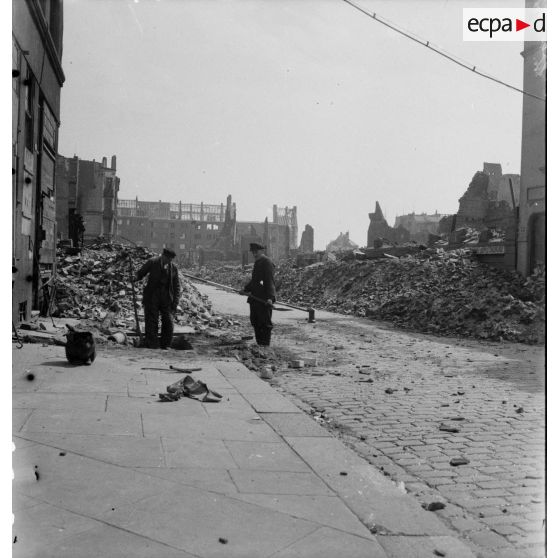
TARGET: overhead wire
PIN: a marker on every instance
(446, 55)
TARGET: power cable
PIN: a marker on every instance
(450, 57)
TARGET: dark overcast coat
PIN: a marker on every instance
(262, 284)
(154, 267)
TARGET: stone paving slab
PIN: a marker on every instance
(200, 452)
(125, 451)
(134, 477)
(376, 501)
(44, 525)
(51, 401)
(150, 405)
(79, 484)
(265, 456)
(234, 370)
(213, 427)
(105, 540)
(270, 402)
(278, 482)
(326, 510)
(82, 422)
(425, 547)
(294, 424)
(166, 517)
(327, 542)
(205, 478)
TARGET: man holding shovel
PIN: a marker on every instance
(262, 287)
(160, 296)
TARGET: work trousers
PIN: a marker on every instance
(260, 318)
(158, 303)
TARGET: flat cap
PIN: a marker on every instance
(255, 246)
(169, 253)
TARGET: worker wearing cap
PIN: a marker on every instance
(160, 296)
(262, 287)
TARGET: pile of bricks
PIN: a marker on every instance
(432, 290)
(435, 291)
(97, 282)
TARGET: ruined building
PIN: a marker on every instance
(378, 227)
(473, 205)
(275, 236)
(37, 77)
(341, 243)
(307, 240)
(501, 187)
(490, 200)
(420, 225)
(191, 230)
(200, 233)
(379, 232)
(286, 216)
(88, 191)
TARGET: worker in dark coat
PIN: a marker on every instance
(160, 296)
(261, 286)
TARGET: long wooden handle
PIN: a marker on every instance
(138, 328)
(193, 277)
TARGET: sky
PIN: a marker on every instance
(288, 102)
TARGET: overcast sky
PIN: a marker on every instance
(293, 102)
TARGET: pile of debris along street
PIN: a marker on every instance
(96, 285)
(434, 291)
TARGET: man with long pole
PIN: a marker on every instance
(262, 287)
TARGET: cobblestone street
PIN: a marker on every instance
(411, 404)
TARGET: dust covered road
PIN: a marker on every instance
(460, 422)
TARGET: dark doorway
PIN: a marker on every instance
(537, 241)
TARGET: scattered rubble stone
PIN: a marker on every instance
(456, 461)
(448, 428)
(433, 290)
(434, 506)
(96, 285)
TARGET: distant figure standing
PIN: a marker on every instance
(262, 286)
(160, 296)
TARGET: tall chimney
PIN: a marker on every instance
(113, 162)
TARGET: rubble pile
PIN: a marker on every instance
(433, 291)
(96, 284)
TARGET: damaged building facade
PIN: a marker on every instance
(87, 198)
(37, 77)
(191, 230)
(307, 240)
(420, 225)
(200, 233)
(490, 201)
(379, 232)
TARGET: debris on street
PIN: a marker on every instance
(96, 286)
(192, 388)
(431, 290)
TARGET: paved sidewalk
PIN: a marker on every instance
(102, 468)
